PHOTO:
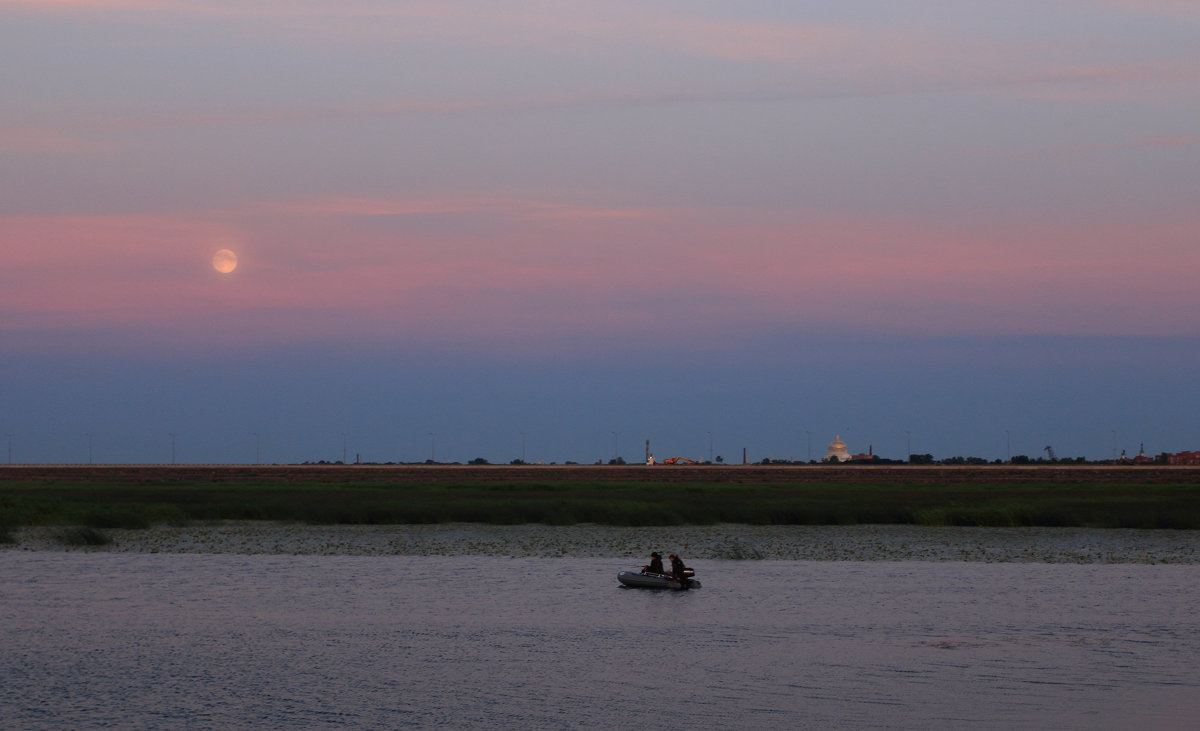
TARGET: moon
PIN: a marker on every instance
(224, 261)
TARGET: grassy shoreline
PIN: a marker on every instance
(138, 497)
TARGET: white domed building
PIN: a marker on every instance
(837, 451)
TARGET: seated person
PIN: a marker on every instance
(656, 564)
(677, 571)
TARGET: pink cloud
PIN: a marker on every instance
(1080, 279)
(1132, 79)
(1166, 141)
(86, 4)
(1183, 9)
(737, 272)
(841, 51)
(769, 61)
(326, 269)
(1086, 149)
(94, 268)
(497, 206)
(851, 58)
(25, 140)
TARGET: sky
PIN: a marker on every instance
(559, 229)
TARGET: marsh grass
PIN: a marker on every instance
(84, 536)
(104, 505)
(117, 517)
(7, 524)
(740, 551)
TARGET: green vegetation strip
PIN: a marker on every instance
(100, 505)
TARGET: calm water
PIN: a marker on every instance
(160, 641)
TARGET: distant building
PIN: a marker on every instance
(1185, 458)
(1141, 457)
(837, 451)
(868, 457)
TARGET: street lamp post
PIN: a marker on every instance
(522, 447)
(89, 436)
(909, 435)
(257, 448)
(172, 447)
(343, 447)
(1008, 444)
(10, 436)
(616, 446)
(710, 447)
(808, 434)
(432, 447)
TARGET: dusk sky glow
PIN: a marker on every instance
(968, 227)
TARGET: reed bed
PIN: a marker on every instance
(106, 504)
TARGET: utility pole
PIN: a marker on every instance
(522, 447)
(89, 436)
(10, 436)
(616, 446)
(172, 447)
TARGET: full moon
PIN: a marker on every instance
(224, 261)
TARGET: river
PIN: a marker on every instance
(142, 641)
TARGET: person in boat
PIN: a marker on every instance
(677, 571)
(655, 566)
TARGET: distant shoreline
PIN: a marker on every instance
(734, 473)
(632, 544)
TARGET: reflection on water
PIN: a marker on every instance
(153, 641)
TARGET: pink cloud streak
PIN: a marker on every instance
(842, 52)
(26, 140)
(58, 5)
(312, 271)
(500, 206)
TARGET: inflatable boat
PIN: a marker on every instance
(647, 580)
